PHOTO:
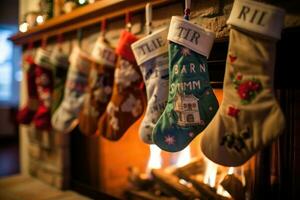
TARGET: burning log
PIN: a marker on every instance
(194, 167)
(145, 195)
(234, 187)
(139, 180)
(206, 192)
(171, 185)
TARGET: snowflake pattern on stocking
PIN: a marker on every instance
(185, 51)
(44, 94)
(46, 98)
(132, 105)
(125, 74)
(102, 94)
(170, 140)
(113, 120)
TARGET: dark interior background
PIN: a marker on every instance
(9, 145)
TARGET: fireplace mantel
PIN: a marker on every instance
(85, 16)
(47, 154)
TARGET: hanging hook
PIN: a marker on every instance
(44, 42)
(148, 11)
(103, 27)
(60, 40)
(187, 10)
(79, 36)
(30, 45)
(128, 21)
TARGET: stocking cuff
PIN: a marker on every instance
(123, 49)
(80, 61)
(191, 36)
(151, 46)
(42, 58)
(257, 17)
(59, 58)
(103, 53)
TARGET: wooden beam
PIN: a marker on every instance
(82, 17)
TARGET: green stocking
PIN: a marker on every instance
(191, 102)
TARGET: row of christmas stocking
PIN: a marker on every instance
(249, 117)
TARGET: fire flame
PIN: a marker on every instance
(242, 175)
(155, 160)
(183, 157)
(210, 173)
(222, 192)
(220, 189)
(230, 170)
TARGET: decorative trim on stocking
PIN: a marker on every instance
(42, 58)
(236, 141)
(187, 110)
(124, 45)
(233, 111)
(103, 54)
(191, 36)
(257, 17)
(151, 46)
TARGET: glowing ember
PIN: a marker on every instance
(243, 176)
(184, 182)
(184, 157)
(154, 160)
(239, 172)
(210, 173)
(230, 170)
(221, 191)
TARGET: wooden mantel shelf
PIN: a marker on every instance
(82, 17)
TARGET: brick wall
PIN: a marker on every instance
(49, 157)
(46, 154)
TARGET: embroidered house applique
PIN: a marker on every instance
(187, 110)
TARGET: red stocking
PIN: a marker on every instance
(44, 82)
(27, 112)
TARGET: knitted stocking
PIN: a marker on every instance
(127, 102)
(44, 83)
(152, 57)
(99, 87)
(60, 62)
(249, 117)
(65, 117)
(26, 113)
(191, 101)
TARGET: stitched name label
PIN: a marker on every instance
(150, 46)
(191, 36)
(257, 17)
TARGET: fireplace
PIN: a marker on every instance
(130, 169)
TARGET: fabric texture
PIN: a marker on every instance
(191, 102)
(65, 118)
(128, 101)
(100, 85)
(151, 53)
(156, 77)
(26, 113)
(44, 84)
(249, 117)
(60, 62)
